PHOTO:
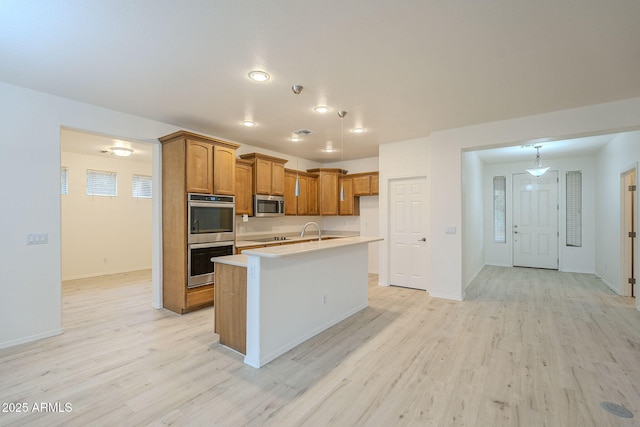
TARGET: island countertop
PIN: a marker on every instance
(306, 247)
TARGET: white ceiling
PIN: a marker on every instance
(401, 69)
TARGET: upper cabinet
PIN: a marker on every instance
(328, 189)
(365, 184)
(268, 174)
(306, 203)
(209, 164)
(244, 180)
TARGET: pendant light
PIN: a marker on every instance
(297, 89)
(341, 114)
(538, 170)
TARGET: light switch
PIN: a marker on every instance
(450, 230)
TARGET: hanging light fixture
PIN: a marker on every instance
(297, 89)
(538, 170)
(341, 114)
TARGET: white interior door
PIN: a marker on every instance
(407, 230)
(535, 220)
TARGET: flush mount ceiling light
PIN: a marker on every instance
(259, 76)
(321, 109)
(121, 151)
(357, 130)
(538, 170)
(248, 123)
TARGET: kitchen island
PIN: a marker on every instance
(293, 292)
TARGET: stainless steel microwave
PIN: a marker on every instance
(264, 206)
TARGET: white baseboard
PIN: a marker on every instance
(606, 282)
(31, 338)
(105, 273)
(444, 296)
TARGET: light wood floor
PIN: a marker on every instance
(528, 347)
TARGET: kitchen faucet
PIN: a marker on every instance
(311, 223)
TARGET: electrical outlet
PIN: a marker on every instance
(37, 238)
(324, 299)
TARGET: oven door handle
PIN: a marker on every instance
(210, 245)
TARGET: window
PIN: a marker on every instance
(64, 180)
(101, 183)
(574, 208)
(141, 186)
(499, 209)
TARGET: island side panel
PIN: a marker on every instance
(300, 296)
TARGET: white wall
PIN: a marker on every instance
(620, 155)
(572, 259)
(402, 159)
(104, 235)
(473, 256)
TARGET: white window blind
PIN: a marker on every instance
(141, 186)
(64, 180)
(574, 208)
(499, 209)
(101, 183)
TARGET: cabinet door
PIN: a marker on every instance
(303, 198)
(277, 179)
(244, 178)
(347, 205)
(313, 196)
(362, 185)
(199, 167)
(328, 184)
(224, 170)
(290, 201)
(262, 183)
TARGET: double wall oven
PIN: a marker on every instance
(211, 233)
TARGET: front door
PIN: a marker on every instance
(407, 231)
(535, 220)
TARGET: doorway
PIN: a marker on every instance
(407, 226)
(628, 200)
(535, 220)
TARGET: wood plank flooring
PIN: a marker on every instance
(526, 348)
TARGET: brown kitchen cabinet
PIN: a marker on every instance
(365, 184)
(268, 174)
(244, 183)
(328, 189)
(230, 315)
(351, 204)
(191, 163)
(307, 202)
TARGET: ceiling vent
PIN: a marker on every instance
(304, 132)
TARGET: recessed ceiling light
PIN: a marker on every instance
(329, 150)
(321, 109)
(259, 76)
(295, 138)
(358, 130)
(121, 151)
(248, 123)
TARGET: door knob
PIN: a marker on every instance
(424, 239)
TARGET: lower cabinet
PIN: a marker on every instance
(231, 306)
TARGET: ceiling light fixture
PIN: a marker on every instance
(341, 114)
(248, 123)
(358, 130)
(259, 76)
(321, 109)
(297, 89)
(538, 170)
(121, 151)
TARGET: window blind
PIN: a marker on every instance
(64, 180)
(574, 208)
(101, 183)
(499, 209)
(141, 186)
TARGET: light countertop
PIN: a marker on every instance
(306, 247)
